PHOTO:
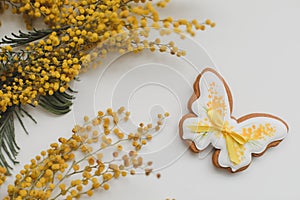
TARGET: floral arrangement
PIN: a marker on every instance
(97, 153)
(37, 66)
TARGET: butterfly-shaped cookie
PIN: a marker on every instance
(211, 123)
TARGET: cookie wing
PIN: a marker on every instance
(261, 132)
(211, 99)
(211, 92)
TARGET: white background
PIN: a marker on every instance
(255, 46)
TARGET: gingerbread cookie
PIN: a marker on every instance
(210, 123)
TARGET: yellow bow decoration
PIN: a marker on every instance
(233, 139)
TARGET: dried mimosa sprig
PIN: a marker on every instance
(87, 161)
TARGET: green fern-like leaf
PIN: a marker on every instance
(25, 38)
(59, 103)
(8, 146)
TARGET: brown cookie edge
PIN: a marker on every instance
(190, 143)
(216, 154)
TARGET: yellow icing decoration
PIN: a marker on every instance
(232, 138)
(232, 153)
(234, 141)
(216, 102)
(258, 133)
(200, 129)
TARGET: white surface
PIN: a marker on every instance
(256, 48)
